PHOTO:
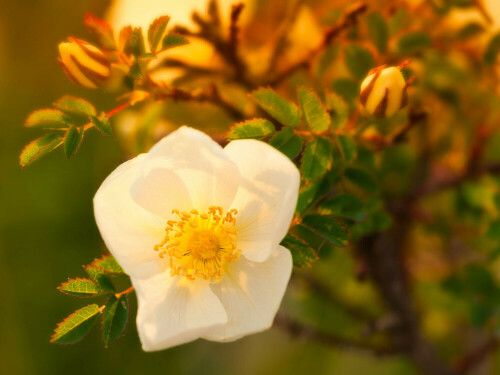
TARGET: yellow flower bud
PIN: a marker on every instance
(384, 91)
(83, 63)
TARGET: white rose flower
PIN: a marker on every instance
(197, 227)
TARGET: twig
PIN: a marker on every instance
(233, 27)
(471, 360)
(349, 19)
(435, 185)
(297, 329)
(210, 95)
(323, 290)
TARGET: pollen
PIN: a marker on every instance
(200, 245)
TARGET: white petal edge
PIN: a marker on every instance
(266, 198)
(251, 293)
(128, 230)
(173, 311)
(196, 164)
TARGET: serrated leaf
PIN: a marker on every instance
(358, 60)
(108, 264)
(491, 53)
(255, 128)
(80, 288)
(317, 159)
(156, 31)
(102, 123)
(414, 42)
(327, 227)
(38, 148)
(347, 147)
(287, 142)
(314, 112)
(137, 47)
(114, 318)
(47, 118)
(102, 30)
(75, 106)
(283, 111)
(378, 30)
(76, 326)
(100, 278)
(344, 205)
(361, 179)
(72, 141)
(339, 111)
(174, 40)
(303, 255)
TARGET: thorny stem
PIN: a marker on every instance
(349, 19)
(301, 330)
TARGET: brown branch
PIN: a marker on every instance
(324, 291)
(234, 29)
(471, 360)
(210, 95)
(349, 19)
(300, 330)
(434, 184)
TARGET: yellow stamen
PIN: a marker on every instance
(203, 247)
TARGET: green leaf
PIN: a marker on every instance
(414, 42)
(303, 255)
(314, 112)
(378, 30)
(339, 111)
(310, 193)
(255, 128)
(358, 60)
(102, 124)
(72, 141)
(76, 326)
(80, 288)
(279, 108)
(327, 227)
(491, 53)
(137, 46)
(47, 118)
(75, 106)
(174, 40)
(347, 147)
(114, 318)
(108, 264)
(100, 278)
(38, 148)
(346, 88)
(344, 205)
(102, 30)
(361, 179)
(326, 60)
(156, 31)
(494, 230)
(317, 159)
(287, 142)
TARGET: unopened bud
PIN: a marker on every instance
(384, 91)
(83, 63)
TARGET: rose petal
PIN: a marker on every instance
(266, 198)
(174, 310)
(251, 293)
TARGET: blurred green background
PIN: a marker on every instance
(47, 231)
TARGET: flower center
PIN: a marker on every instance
(200, 245)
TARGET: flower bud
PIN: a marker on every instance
(83, 63)
(384, 92)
